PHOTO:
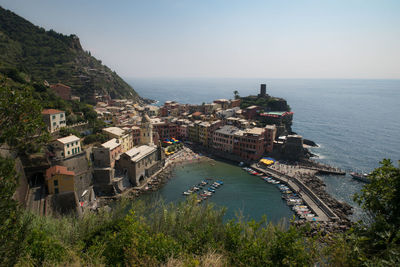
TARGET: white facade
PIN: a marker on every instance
(67, 146)
(54, 119)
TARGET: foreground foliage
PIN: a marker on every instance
(135, 233)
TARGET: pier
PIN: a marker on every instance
(321, 168)
(322, 211)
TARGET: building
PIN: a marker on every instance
(182, 131)
(124, 136)
(59, 180)
(223, 138)
(235, 103)
(105, 155)
(203, 133)
(151, 110)
(224, 103)
(54, 119)
(223, 114)
(270, 134)
(139, 163)
(67, 146)
(136, 135)
(276, 117)
(62, 90)
(251, 112)
(251, 143)
(165, 129)
(146, 131)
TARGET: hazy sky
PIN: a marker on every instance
(230, 38)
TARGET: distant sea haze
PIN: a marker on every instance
(355, 122)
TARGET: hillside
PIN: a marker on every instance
(54, 57)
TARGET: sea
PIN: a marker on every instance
(356, 124)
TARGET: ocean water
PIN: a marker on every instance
(356, 123)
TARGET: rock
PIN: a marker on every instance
(310, 143)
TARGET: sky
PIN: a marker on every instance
(230, 38)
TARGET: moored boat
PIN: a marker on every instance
(362, 177)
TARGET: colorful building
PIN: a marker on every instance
(124, 136)
(54, 119)
(59, 180)
(67, 146)
(223, 138)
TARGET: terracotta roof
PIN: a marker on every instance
(57, 169)
(196, 114)
(51, 111)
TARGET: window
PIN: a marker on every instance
(54, 124)
(55, 182)
(53, 117)
(68, 152)
(67, 145)
(61, 115)
(56, 190)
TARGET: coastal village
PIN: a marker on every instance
(144, 142)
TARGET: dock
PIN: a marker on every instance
(321, 168)
(321, 210)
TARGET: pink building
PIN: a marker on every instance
(182, 132)
(223, 138)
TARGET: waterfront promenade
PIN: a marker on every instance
(322, 211)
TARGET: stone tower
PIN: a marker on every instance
(146, 131)
(263, 90)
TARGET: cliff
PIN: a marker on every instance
(51, 56)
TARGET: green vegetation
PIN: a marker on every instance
(95, 138)
(174, 147)
(188, 234)
(270, 103)
(51, 56)
(21, 124)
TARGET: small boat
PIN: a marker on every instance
(220, 182)
(211, 190)
(186, 193)
(362, 177)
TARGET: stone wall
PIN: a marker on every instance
(81, 164)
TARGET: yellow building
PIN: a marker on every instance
(124, 136)
(59, 180)
(203, 133)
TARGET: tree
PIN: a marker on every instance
(12, 227)
(379, 237)
(236, 94)
(21, 123)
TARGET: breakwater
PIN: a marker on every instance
(330, 212)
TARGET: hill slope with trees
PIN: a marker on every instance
(54, 57)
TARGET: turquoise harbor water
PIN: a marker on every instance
(355, 122)
(241, 192)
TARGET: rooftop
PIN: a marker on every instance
(51, 111)
(111, 144)
(114, 130)
(57, 170)
(68, 139)
(227, 129)
(139, 152)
